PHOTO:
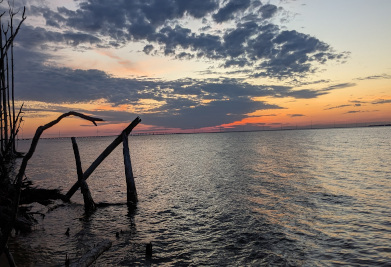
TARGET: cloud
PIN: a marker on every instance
(357, 102)
(268, 11)
(148, 49)
(228, 11)
(37, 37)
(247, 37)
(40, 81)
(382, 101)
(182, 103)
(338, 107)
(338, 86)
(375, 77)
(296, 115)
(201, 116)
(283, 54)
(305, 94)
(309, 93)
(246, 42)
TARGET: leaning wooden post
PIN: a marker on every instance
(89, 204)
(130, 184)
(101, 157)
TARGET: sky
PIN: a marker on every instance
(198, 66)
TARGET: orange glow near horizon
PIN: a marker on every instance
(77, 127)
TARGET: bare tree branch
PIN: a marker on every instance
(8, 43)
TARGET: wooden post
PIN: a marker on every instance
(130, 184)
(102, 156)
(89, 204)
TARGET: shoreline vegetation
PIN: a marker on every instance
(18, 193)
(10, 121)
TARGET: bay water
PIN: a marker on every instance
(269, 198)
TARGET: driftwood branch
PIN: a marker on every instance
(91, 256)
(38, 134)
(102, 156)
(22, 169)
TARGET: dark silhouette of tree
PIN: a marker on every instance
(10, 120)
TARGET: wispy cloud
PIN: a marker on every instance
(296, 115)
(375, 77)
(338, 86)
(382, 101)
(338, 107)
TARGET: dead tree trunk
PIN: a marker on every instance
(13, 79)
(89, 204)
(102, 156)
(130, 184)
(4, 90)
(7, 106)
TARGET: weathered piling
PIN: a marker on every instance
(148, 250)
(102, 156)
(89, 204)
(130, 184)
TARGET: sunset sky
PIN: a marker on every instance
(203, 65)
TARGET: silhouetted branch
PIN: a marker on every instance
(38, 134)
(9, 41)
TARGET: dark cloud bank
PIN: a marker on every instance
(254, 43)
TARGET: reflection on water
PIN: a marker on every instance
(296, 198)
